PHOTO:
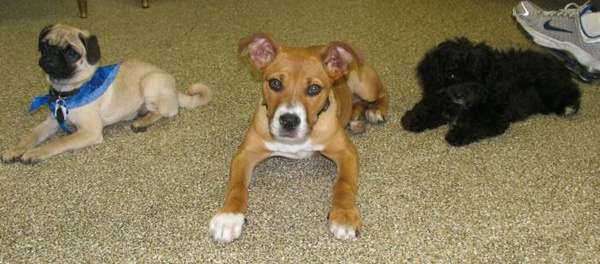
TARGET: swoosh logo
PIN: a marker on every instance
(553, 28)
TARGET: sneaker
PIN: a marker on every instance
(563, 31)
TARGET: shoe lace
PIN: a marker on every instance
(569, 10)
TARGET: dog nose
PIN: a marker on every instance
(457, 95)
(289, 121)
(46, 62)
(461, 95)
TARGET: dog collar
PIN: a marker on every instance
(59, 103)
(57, 94)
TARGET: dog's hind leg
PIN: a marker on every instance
(142, 124)
(160, 99)
(568, 101)
(377, 111)
(357, 123)
(366, 84)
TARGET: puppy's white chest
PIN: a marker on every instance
(302, 150)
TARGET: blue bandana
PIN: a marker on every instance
(88, 92)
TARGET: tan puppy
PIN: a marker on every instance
(306, 104)
(90, 98)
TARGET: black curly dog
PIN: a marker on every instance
(479, 91)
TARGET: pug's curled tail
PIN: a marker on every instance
(198, 94)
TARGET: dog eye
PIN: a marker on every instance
(275, 85)
(313, 89)
(72, 54)
(452, 76)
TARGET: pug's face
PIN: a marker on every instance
(68, 55)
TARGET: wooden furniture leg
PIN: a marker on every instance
(82, 8)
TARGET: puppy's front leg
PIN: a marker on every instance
(478, 124)
(344, 217)
(38, 135)
(227, 224)
(423, 116)
(86, 135)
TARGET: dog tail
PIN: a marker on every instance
(198, 94)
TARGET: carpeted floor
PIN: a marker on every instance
(531, 195)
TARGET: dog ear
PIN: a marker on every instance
(92, 48)
(481, 59)
(429, 72)
(337, 58)
(43, 34)
(261, 47)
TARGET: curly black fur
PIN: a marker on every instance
(479, 91)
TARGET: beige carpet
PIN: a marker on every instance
(531, 195)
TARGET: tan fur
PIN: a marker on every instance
(139, 88)
(339, 69)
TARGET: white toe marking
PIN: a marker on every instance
(357, 126)
(342, 232)
(226, 227)
(374, 117)
(569, 111)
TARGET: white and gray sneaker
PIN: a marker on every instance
(571, 33)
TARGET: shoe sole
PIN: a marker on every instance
(574, 66)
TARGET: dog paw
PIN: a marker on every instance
(344, 224)
(343, 232)
(226, 227)
(34, 156)
(458, 138)
(13, 155)
(357, 127)
(374, 116)
(569, 111)
(410, 124)
(138, 129)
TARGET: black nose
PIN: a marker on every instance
(289, 121)
(47, 63)
(457, 95)
(54, 64)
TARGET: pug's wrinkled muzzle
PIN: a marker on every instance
(54, 63)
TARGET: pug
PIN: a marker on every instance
(84, 98)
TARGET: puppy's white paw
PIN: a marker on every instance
(374, 116)
(343, 232)
(357, 127)
(569, 111)
(226, 227)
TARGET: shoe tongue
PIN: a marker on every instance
(590, 24)
(588, 9)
